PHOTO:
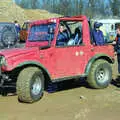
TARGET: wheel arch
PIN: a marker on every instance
(97, 57)
(34, 64)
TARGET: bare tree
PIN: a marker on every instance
(115, 7)
(91, 8)
(34, 4)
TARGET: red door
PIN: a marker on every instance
(70, 61)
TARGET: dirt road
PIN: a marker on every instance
(75, 103)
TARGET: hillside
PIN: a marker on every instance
(9, 12)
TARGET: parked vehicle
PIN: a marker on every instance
(46, 58)
(8, 35)
(109, 28)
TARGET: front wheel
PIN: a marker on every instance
(100, 74)
(30, 85)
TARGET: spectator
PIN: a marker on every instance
(117, 47)
(18, 28)
(98, 37)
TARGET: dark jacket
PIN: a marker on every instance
(18, 28)
(98, 37)
(62, 38)
(117, 46)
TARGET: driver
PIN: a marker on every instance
(63, 36)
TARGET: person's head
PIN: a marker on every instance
(97, 25)
(15, 21)
(61, 28)
(118, 30)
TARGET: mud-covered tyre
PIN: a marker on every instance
(30, 85)
(100, 74)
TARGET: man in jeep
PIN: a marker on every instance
(62, 36)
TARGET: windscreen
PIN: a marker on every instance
(41, 33)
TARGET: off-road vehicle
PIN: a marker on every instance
(46, 58)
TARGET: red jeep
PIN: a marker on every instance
(46, 58)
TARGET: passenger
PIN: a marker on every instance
(77, 40)
(98, 37)
(63, 36)
(78, 35)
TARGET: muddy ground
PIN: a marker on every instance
(75, 101)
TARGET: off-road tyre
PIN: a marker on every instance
(27, 79)
(100, 74)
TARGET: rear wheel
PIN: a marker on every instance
(30, 85)
(100, 74)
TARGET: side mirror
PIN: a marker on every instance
(50, 30)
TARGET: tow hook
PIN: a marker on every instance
(3, 78)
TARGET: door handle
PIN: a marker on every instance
(92, 49)
(41, 55)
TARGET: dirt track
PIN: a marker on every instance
(72, 103)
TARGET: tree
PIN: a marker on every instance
(91, 8)
(114, 4)
(28, 4)
(33, 4)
